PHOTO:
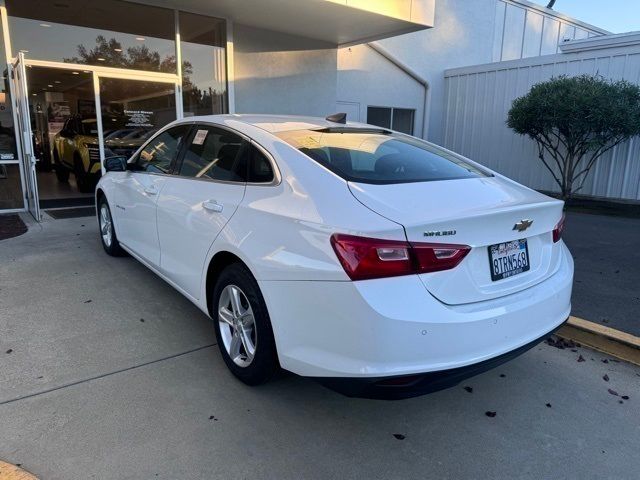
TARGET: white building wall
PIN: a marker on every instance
(465, 32)
(479, 97)
(282, 74)
(371, 80)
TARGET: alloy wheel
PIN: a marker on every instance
(106, 225)
(237, 325)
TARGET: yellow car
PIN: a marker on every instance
(75, 149)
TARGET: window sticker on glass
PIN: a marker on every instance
(199, 137)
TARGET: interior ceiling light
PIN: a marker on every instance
(45, 25)
(57, 81)
(140, 39)
(117, 49)
(76, 73)
(34, 94)
(50, 86)
(100, 59)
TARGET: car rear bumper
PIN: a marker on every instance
(407, 386)
(393, 327)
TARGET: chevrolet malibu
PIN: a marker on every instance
(379, 264)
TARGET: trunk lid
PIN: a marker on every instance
(478, 212)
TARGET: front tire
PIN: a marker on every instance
(62, 173)
(84, 180)
(243, 326)
(107, 230)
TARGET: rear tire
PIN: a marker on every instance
(108, 235)
(243, 327)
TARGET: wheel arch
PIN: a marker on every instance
(219, 262)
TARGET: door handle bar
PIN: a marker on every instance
(212, 206)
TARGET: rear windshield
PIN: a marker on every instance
(379, 156)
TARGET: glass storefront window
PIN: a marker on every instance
(7, 132)
(111, 33)
(204, 79)
(10, 187)
(132, 111)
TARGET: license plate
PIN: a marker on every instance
(508, 259)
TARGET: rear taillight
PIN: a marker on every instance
(558, 229)
(366, 258)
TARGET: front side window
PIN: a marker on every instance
(381, 157)
(161, 151)
(215, 154)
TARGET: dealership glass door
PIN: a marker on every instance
(132, 109)
(24, 134)
(71, 117)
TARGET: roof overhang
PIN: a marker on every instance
(336, 22)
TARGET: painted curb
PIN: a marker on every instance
(604, 339)
(13, 472)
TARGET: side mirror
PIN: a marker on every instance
(117, 163)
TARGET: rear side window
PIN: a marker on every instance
(158, 154)
(214, 153)
(379, 157)
(260, 169)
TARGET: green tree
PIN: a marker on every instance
(574, 121)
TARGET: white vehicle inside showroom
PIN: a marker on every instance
(377, 263)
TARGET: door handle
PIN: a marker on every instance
(212, 206)
(151, 190)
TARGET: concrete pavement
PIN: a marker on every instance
(91, 391)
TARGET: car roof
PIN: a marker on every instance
(274, 123)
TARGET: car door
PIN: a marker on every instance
(198, 200)
(138, 189)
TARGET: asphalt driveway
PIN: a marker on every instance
(606, 249)
(90, 390)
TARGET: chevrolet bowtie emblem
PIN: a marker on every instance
(522, 225)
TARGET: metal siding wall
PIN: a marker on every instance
(478, 99)
(522, 31)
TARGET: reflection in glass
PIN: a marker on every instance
(108, 33)
(8, 149)
(204, 80)
(10, 187)
(132, 110)
(55, 96)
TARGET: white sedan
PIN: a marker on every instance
(377, 263)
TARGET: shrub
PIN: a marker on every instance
(574, 121)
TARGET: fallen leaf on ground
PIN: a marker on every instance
(399, 436)
(580, 358)
(490, 414)
(605, 377)
(612, 392)
(469, 389)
